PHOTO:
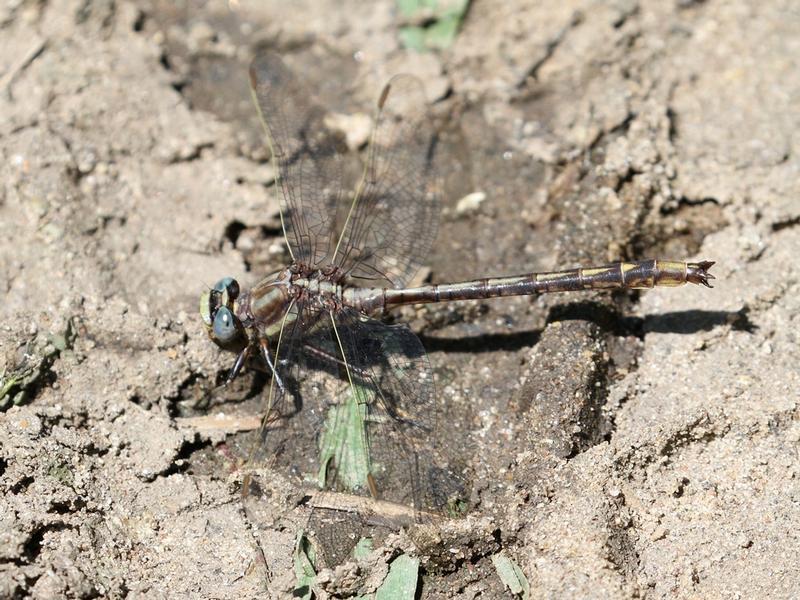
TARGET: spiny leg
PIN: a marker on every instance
(241, 360)
(237, 366)
(262, 342)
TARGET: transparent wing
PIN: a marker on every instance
(293, 412)
(394, 214)
(357, 413)
(305, 156)
(283, 451)
(355, 428)
(391, 384)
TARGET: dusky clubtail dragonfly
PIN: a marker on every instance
(351, 401)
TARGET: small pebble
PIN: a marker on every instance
(470, 203)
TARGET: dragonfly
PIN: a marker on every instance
(351, 408)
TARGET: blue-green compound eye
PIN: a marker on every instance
(205, 308)
(224, 292)
(225, 329)
(228, 284)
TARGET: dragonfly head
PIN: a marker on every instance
(219, 317)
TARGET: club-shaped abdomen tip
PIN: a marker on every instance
(698, 272)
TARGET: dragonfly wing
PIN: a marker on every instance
(305, 156)
(391, 384)
(291, 417)
(312, 439)
(393, 215)
(355, 425)
(312, 426)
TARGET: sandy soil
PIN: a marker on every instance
(622, 445)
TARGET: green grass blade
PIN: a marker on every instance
(305, 558)
(345, 443)
(401, 582)
(511, 575)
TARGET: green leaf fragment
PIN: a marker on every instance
(442, 33)
(401, 582)
(60, 342)
(6, 384)
(433, 24)
(456, 507)
(61, 473)
(413, 38)
(409, 7)
(344, 445)
(305, 559)
(29, 358)
(363, 548)
(511, 575)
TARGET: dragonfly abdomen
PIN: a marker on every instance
(621, 275)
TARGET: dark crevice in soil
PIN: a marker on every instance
(190, 395)
(61, 508)
(781, 421)
(183, 458)
(195, 154)
(75, 175)
(33, 546)
(683, 235)
(179, 86)
(786, 224)
(672, 127)
(552, 45)
(233, 230)
(165, 62)
(625, 179)
(625, 14)
(475, 549)
(701, 430)
(139, 22)
(194, 396)
(683, 483)
(668, 209)
(618, 130)
(22, 485)
(621, 543)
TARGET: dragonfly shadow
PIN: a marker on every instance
(490, 342)
(682, 322)
(692, 321)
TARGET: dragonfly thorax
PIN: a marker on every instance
(263, 308)
(233, 320)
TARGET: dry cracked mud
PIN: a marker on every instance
(622, 445)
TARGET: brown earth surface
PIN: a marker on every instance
(621, 445)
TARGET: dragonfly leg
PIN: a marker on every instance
(265, 353)
(237, 366)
